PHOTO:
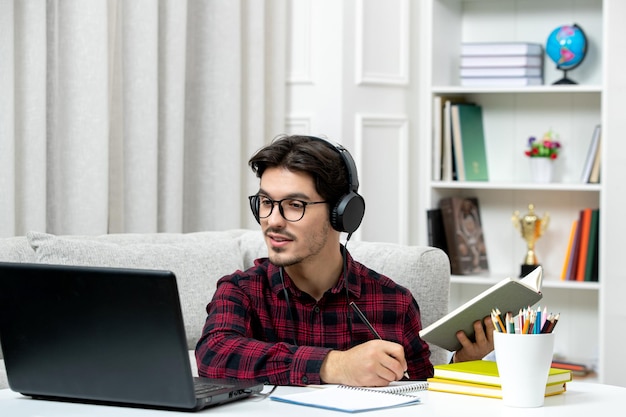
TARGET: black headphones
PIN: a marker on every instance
(348, 213)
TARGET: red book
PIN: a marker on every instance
(585, 224)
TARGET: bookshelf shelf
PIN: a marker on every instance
(473, 185)
(547, 282)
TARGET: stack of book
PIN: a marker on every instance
(581, 257)
(510, 64)
(481, 378)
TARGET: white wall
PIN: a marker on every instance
(351, 79)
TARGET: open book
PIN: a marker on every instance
(507, 295)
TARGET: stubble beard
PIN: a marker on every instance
(315, 244)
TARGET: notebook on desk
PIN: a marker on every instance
(104, 335)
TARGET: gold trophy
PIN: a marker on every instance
(531, 228)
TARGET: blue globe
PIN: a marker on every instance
(567, 46)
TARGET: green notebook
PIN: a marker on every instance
(472, 140)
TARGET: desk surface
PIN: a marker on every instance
(581, 399)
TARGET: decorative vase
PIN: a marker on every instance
(541, 169)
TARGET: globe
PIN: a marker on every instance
(567, 47)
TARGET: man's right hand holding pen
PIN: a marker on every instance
(374, 363)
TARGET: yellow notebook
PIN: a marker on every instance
(486, 373)
(481, 390)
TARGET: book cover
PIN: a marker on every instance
(500, 81)
(442, 146)
(583, 247)
(502, 72)
(436, 231)
(573, 260)
(464, 235)
(510, 294)
(591, 155)
(501, 61)
(486, 372)
(481, 390)
(501, 48)
(568, 253)
(592, 250)
(457, 145)
(448, 168)
(594, 176)
(472, 139)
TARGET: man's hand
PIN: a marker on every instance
(371, 364)
(483, 344)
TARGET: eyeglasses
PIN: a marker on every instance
(291, 209)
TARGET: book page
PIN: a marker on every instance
(507, 295)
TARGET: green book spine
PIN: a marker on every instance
(593, 243)
(473, 142)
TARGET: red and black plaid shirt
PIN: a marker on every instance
(249, 333)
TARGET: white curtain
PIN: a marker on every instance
(135, 115)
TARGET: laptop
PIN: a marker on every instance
(102, 335)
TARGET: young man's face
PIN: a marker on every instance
(290, 243)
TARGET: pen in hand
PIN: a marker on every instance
(364, 319)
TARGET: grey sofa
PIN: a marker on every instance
(199, 259)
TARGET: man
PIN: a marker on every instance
(288, 320)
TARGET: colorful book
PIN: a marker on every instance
(464, 235)
(592, 247)
(481, 390)
(568, 253)
(594, 177)
(573, 260)
(510, 294)
(585, 225)
(436, 231)
(486, 373)
(442, 131)
(591, 155)
(473, 151)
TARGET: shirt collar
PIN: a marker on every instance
(353, 280)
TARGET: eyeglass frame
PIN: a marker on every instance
(256, 208)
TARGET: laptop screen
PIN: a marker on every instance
(99, 334)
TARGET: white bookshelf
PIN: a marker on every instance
(510, 116)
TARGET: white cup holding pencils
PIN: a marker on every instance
(524, 362)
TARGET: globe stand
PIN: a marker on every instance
(564, 80)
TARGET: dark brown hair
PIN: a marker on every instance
(309, 155)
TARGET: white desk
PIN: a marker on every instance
(581, 399)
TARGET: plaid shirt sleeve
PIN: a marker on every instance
(248, 336)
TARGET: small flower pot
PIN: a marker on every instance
(541, 169)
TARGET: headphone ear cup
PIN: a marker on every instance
(348, 213)
(254, 206)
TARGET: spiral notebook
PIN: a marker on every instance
(356, 399)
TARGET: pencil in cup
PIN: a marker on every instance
(529, 321)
